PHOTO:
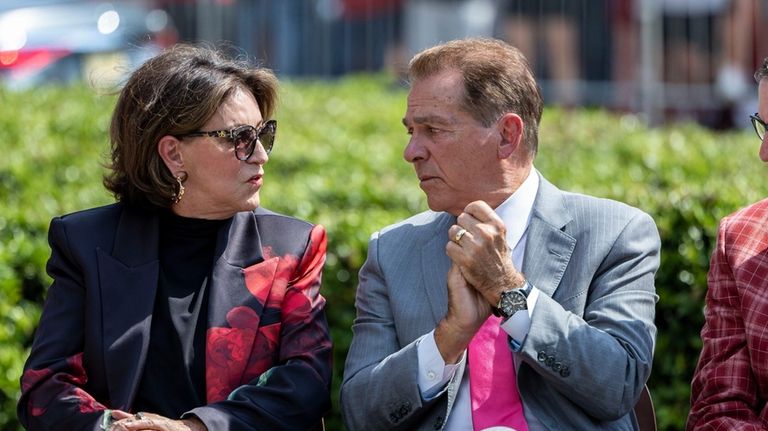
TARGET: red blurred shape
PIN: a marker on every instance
(31, 59)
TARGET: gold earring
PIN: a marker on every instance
(177, 195)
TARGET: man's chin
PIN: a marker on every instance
(442, 206)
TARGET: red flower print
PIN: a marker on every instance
(227, 350)
(259, 278)
(62, 380)
(296, 307)
(243, 317)
(264, 353)
(88, 404)
(33, 377)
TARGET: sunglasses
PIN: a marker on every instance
(758, 124)
(244, 138)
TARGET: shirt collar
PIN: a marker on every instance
(516, 210)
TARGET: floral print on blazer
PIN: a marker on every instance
(268, 347)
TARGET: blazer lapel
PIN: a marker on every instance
(548, 248)
(128, 281)
(435, 264)
(238, 290)
(237, 247)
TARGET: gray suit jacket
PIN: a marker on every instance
(590, 346)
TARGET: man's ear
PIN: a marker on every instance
(511, 128)
(169, 148)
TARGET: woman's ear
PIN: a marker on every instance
(511, 128)
(169, 148)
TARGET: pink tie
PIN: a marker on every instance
(492, 382)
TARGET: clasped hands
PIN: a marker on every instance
(123, 421)
(481, 269)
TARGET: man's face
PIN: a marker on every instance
(454, 155)
(762, 111)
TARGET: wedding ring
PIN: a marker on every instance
(459, 235)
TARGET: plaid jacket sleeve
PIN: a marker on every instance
(730, 383)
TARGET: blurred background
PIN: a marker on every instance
(668, 60)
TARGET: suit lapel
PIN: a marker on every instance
(435, 264)
(128, 281)
(548, 248)
(238, 290)
(238, 247)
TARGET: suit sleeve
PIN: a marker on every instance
(724, 393)
(53, 394)
(294, 394)
(600, 358)
(379, 390)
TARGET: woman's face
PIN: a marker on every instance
(219, 185)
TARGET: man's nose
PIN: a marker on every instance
(415, 149)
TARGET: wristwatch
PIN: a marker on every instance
(513, 301)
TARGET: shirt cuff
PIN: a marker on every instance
(434, 373)
(518, 324)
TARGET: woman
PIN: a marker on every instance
(183, 306)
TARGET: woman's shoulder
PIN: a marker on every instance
(91, 216)
(265, 216)
(749, 220)
(283, 233)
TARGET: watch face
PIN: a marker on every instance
(512, 302)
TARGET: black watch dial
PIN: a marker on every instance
(512, 302)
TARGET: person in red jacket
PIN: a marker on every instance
(730, 384)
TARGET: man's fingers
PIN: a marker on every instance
(481, 211)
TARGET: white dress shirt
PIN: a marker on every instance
(434, 373)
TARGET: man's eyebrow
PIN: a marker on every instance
(430, 119)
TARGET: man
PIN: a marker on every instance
(730, 384)
(565, 280)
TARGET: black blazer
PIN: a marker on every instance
(268, 347)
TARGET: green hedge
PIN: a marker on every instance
(338, 162)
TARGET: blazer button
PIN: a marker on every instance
(542, 356)
(549, 361)
(557, 366)
(565, 371)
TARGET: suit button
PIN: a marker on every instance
(565, 371)
(557, 366)
(542, 356)
(549, 361)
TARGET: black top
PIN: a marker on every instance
(173, 381)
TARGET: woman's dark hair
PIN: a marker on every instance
(174, 93)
